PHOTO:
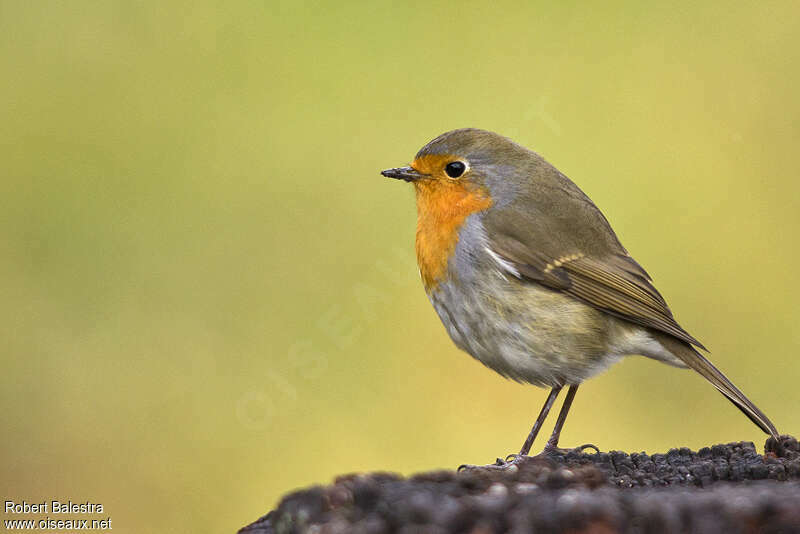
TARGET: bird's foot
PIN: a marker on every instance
(513, 461)
(550, 451)
(498, 465)
(553, 450)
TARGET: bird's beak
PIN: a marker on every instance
(409, 174)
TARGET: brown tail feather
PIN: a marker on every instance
(699, 363)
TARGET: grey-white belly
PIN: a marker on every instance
(523, 331)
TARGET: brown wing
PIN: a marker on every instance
(613, 283)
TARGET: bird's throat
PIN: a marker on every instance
(442, 208)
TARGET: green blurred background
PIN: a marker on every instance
(208, 295)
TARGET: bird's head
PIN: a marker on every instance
(467, 164)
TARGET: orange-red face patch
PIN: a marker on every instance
(442, 206)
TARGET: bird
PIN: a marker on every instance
(529, 278)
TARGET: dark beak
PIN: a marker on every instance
(403, 173)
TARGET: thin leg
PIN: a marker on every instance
(551, 398)
(552, 443)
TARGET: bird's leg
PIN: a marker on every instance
(552, 443)
(526, 447)
(551, 398)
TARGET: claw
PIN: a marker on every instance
(517, 459)
(499, 464)
(469, 467)
(549, 449)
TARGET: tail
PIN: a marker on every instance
(699, 363)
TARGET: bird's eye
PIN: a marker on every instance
(454, 169)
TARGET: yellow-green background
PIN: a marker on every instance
(208, 295)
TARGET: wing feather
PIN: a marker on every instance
(612, 284)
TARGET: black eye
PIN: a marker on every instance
(454, 169)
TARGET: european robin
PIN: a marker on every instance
(528, 277)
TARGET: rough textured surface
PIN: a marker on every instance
(725, 488)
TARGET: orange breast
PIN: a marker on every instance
(442, 207)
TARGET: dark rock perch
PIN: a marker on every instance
(725, 488)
